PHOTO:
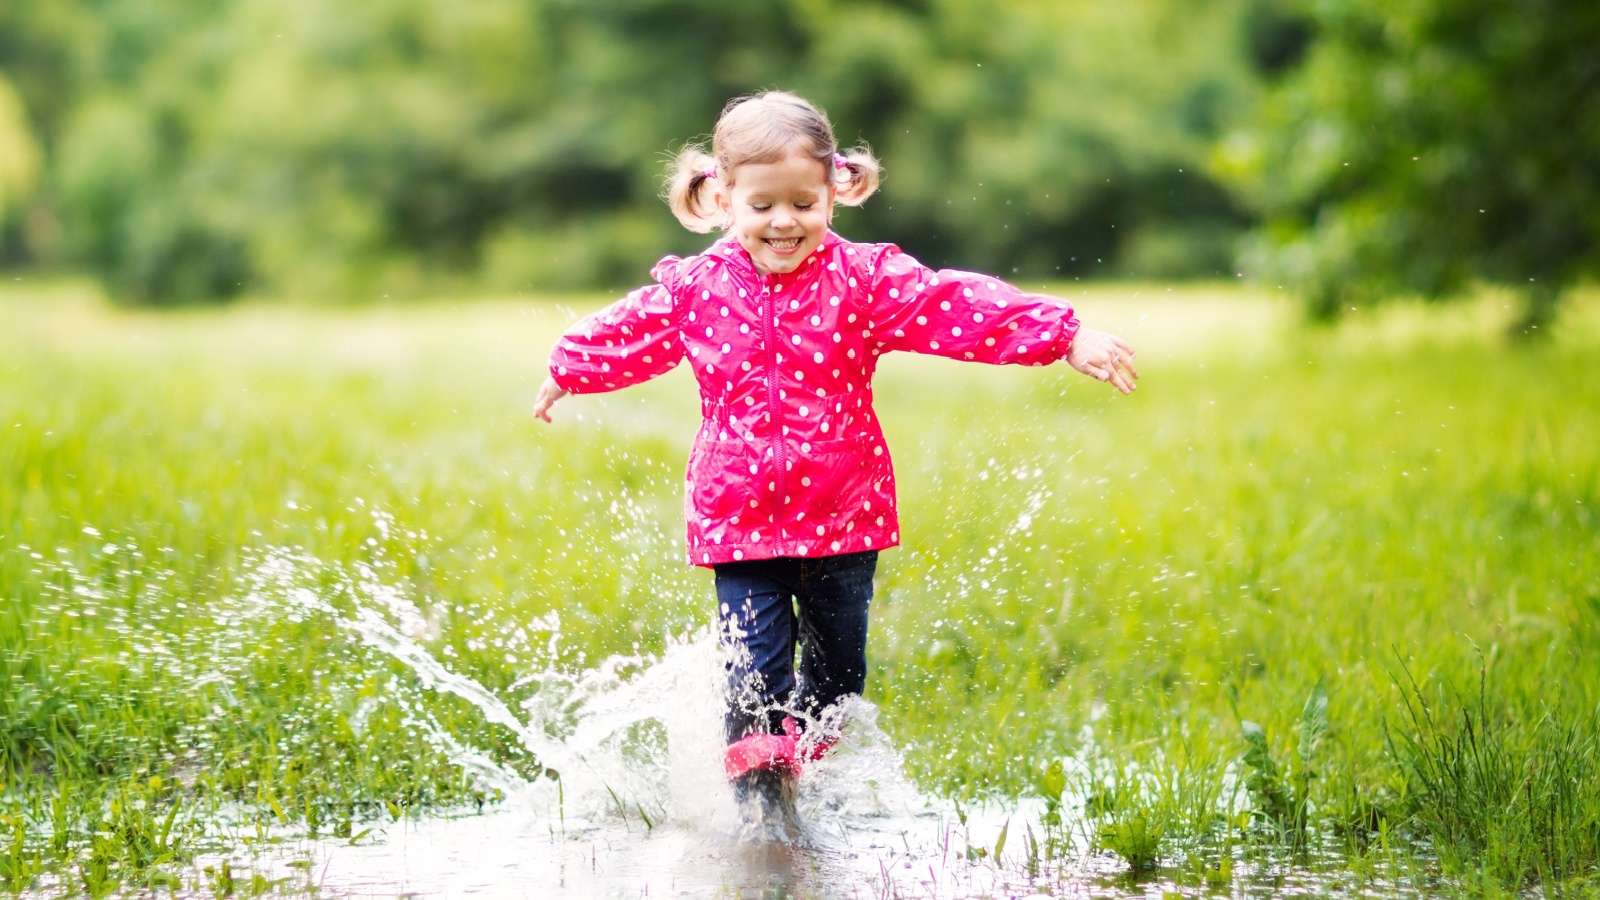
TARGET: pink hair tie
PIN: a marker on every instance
(710, 173)
(839, 162)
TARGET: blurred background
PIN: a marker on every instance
(191, 152)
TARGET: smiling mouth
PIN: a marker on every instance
(782, 245)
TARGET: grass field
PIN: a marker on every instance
(1396, 518)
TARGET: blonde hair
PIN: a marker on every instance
(763, 128)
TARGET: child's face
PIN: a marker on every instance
(779, 211)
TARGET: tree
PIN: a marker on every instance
(194, 151)
(1424, 146)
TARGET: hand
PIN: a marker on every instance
(549, 393)
(1105, 357)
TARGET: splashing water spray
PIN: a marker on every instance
(632, 798)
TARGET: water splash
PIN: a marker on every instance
(638, 801)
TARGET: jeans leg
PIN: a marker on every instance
(755, 608)
(833, 605)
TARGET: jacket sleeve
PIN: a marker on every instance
(629, 342)
(963, 315)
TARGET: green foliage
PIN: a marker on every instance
(1422, 147)
(19, 154)
(199, 151)
(1283, 804)
(1507, 788)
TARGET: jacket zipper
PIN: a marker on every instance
(770, 330)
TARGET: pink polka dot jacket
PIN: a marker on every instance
(790, 459)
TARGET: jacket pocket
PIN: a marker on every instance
(722, 478)
(834, 478)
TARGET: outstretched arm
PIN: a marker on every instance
(1105, 357)
(549, 393)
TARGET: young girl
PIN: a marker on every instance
(790, 490)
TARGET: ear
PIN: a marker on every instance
(724, 202)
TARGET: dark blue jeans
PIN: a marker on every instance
(769, 606)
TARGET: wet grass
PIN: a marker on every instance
(1304, 593)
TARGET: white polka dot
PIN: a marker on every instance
(836, 546)
(821, 531)
(946, 304)
(955, 331)
(797, 340)
(852, 319)
(752, 468)
(966, 292)
(738, 554)
(724, 312)
(815, 321)
(728, 347)
(894, 293)
(833, 301)
(704, 295)
(817, 356)
(922, 320)
(744, 328)
(794, 304)
(805, 411)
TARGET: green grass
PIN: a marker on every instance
(1399, 509)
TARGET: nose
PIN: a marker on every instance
(782, 218)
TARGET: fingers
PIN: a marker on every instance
(549, 393)
(1124, 373)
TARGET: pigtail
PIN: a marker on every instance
(858, 178)
(690, 186)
